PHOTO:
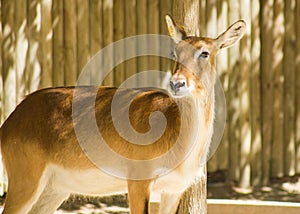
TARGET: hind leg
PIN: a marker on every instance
(49, 200)
(23, 191)
(169, 203)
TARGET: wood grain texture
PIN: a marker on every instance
(130, 30)
(297, 88)
(8, 58)
(83, 34)
(289, 88)
(278, 79)
(96, 36)
(222, 66)
(233, 111)
(119, 33)
(46, 44)
(255, 105)
(266, 86)
(107, 32)
(244, 85)
(70, 45)
(57, 43)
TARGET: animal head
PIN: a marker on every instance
(195, 57)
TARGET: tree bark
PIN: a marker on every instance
(186, 13)
(193, 200)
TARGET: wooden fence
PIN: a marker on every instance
(47, 42)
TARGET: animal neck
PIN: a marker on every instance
(205, 97)
(197, 115)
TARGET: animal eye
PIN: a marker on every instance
(201, 55)
(204, 54)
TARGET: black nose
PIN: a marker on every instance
(176, 85)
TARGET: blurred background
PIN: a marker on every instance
(46, 43)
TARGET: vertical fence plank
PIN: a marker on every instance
(83, 53)
(202, 16)
(118, 35)
(1, 68)
(96, 37)
(267, 85)
(21, 48)
(233, 105)
(297, 86)
(222, 70)
(245, 69)
(46, 44)
(153, 28)
(57, 43)
(69, 11)
(33, 65)
(8, 54)
(277, 52)
(255, 105)
(2, 171)
(289, 87)
(165, 7)
(141, 21)
(107, 32)
(130, 30)
(211, 17)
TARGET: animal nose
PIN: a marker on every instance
(176, 85)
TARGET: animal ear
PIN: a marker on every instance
(177, 33)
(233, 34)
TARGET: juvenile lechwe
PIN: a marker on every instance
(45, 162)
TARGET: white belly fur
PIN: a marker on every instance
(96, 182)
(88, 182)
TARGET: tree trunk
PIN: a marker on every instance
(186, 13)
(193, 200)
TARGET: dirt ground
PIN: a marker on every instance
(284, 189)
(281, 190)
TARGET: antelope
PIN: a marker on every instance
(45, 162)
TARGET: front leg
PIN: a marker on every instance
(138, 194)
(169, 203)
